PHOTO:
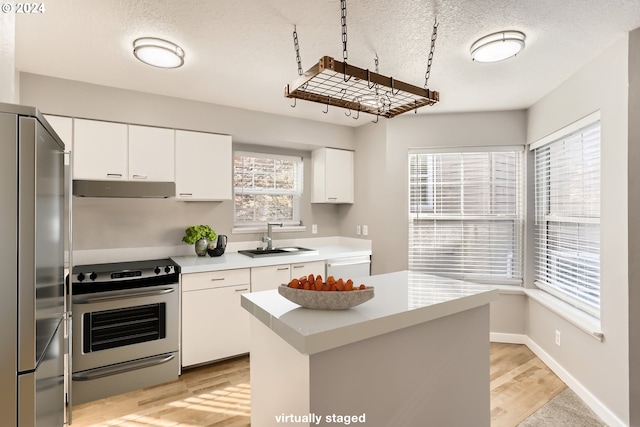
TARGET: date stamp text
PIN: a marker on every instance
(22, 8)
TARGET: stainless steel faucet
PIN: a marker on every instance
(268, 239)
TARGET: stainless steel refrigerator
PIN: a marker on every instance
(32, 292)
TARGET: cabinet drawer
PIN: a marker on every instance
(215, 279)
(306, 268)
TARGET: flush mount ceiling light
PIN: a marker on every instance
(158, 52)
(497, 46)
(339, 84)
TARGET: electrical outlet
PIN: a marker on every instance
(365, 230)
(314, 228)
(558, 337)
(358, 230)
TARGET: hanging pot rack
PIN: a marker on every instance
(339, 84)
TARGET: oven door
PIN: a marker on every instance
(124, 326)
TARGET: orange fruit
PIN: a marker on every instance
(294, 283)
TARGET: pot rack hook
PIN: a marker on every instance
(359, 108)
(377, 119)
(392, 92)
(294, 103)
(327, 109)
(369, 85)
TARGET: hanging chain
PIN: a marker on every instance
(430, 60)
(343, 5)
(297, 47)
(377, 72)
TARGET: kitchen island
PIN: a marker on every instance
(416, 354)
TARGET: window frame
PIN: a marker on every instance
(296, 192)
(514, 269)
(547, 221)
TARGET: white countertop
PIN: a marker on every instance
(402, 299)
(233, 260)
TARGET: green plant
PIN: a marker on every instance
(197, 232)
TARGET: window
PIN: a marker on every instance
(266, 188)
(466, 213)
(567, 227)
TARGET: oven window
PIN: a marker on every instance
(124, 326)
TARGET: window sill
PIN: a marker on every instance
(576, 317)
(263, 229)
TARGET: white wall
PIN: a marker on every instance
(9, 88)
(140, 223)
(600, 367)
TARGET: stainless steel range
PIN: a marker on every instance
(125, 327)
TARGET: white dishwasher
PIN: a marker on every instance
(350, 267)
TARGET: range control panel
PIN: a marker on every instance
(124, 271)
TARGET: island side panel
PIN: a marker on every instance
(436, 373)
(279, 376)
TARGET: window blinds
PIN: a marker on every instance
(466, 214)
(267, 188)
(567, 227)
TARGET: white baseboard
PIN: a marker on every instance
(596, 405)
(508, 338)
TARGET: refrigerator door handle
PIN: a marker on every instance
(69, 288)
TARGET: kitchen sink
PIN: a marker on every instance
(289, 250)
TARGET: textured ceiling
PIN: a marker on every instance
(240, 52)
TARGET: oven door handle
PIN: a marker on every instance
(92, 300)
(107, 371)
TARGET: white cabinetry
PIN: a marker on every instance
(214, 325)
(332, 176)
(151, 154)
(305, 268)
(272, 276)
(99, 150)
(203, 166)
(269, 277)
(105, 150)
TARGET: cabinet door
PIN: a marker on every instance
(99, 150)
(151, 154)
(339, 176)
(214, 325)
(203, 166)
(332, 176)
(269, 277)
(305, 268)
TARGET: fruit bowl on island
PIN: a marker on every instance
(312, 292)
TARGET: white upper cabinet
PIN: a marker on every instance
(99, 150)
(332, 176)
(105, 150)
(204, 164)
(151, 154)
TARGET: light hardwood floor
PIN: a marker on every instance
(218, 395)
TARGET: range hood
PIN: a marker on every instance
(125, 189)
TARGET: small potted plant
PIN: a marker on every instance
(200, 235)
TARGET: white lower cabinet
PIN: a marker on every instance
(272, 276)
(214, 325)
(305, 268)
(269, 277)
